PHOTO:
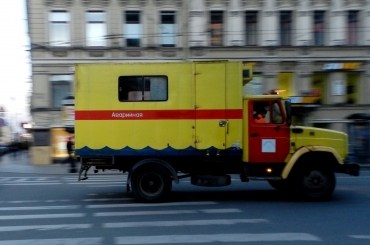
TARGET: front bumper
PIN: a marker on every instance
(349, 168)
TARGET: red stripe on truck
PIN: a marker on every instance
(158, 114)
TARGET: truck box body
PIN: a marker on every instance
(182, 120)
(162, 122)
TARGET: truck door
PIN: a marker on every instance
(268, 132)
(210, 121)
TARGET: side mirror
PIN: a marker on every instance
(288, 110)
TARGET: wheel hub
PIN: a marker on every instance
(151, 184)
(315, 180)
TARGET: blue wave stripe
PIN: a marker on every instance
(148, 151)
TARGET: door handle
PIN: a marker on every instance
(255, 135)
(222, 123)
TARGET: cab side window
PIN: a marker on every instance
(276, 113)
(261, 112)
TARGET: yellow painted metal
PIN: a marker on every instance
(210, 94)
(285, 81)
(321, 137)
(316, 139)
(292, 159)
(245, 131)
(234, 95)
(97, 90)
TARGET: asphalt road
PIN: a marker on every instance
(38, 209)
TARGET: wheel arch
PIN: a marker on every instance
(159, 162)
(304, 154)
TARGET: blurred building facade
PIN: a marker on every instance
(315, 52)
(5, 130)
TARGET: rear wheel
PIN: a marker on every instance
(151, 183)
(317, 184)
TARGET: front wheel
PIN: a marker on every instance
(317, 184)
(151, 183)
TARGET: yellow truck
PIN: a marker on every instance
(162, 122)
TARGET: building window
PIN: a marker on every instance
(251, 28)
(142, 88)
(352, 27)
(132, 29)
(285, 28)
(59, 28)
(96, 30)
(319, 17)
(168, 29)
(60, 88)
(216, 27)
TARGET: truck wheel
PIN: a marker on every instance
(317, 184)
(151, 184)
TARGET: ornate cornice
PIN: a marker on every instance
(103, 3)
(64, 3)
(132, 2)
(168, 2)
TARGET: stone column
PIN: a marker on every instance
(270, 24)
(270, 70)
(304, 70)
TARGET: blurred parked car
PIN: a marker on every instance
(4, 148)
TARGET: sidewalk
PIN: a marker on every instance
(22, 164)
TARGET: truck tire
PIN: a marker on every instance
(317, 184)
(151, 183)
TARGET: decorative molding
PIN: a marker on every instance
(102, 3)
(194, 13)
(133, 53)
(122, 2)
(234, 13)
(96, 53)
(198, 52)
(252, 3)
(305, 51)
(354, 3)
(338, 13)
(168, 53)
(286, 3)
(305, 69)
(271, 51)
(304, 13)
(178, 2)
(159, 3)
(132, 2)
(60, 53)
(268, 13)
(65, 3)
(314, 3)
(225, 3)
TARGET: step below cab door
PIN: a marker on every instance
(268, 132)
